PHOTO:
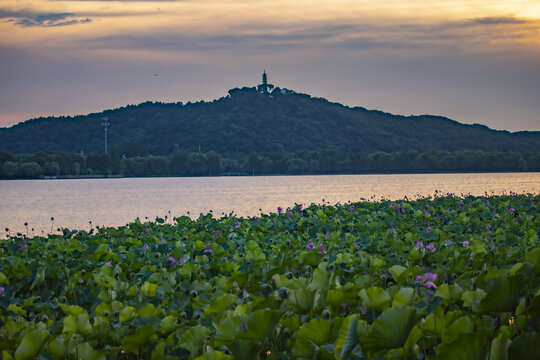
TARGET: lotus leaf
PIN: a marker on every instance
(391, 329)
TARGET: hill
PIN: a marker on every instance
(251, 120)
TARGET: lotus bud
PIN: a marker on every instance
(283, 292)
(287, 332)
(325, 314)
(193, 293)
(289, 275)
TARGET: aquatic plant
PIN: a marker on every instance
(361, 281)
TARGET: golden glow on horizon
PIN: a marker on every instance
(516, 23)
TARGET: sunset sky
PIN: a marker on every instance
(472, 61)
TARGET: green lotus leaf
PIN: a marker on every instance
(336, 297)
(17, 310)
(471, 299)
(149, 289)
(502, 295)
(449, 293)
(462, 325)
(347, 338)
(405, 296)
(320, 280)
(500, 344)
(131, 343)
(79, 324)
(126, 314)
(147, 311)
(193, 340)
(31, 344)
(399, 273)
(467, 345)
(75, 310)
(525, 347)
(344, 258)
(87, 352)
(256, 256)
(438, 321)
(220, 304)
(3, 278)
(199, 246)
(391, 329)
(168, 323)
(377, 262)
(375, 297)
(302, 298)
(311, 336)
(61, 346)
(260, 325)
(214, 355)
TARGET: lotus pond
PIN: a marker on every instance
(442, 277)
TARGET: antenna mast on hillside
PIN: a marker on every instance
(105, 123)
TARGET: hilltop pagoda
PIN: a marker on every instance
(265, 87)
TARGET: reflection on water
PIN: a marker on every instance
(114, 202)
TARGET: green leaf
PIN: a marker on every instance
(461, 325)
(501, 344)
(214, 355)
(3, 278)
(399, 273)
(316, 332)
(126, 314)
(79, 324)
(502, 295)
(467, 346)
(87, 352)
(193, 340)
(525, 347)
(347, 338)
(220, 304)
(320, 280)
(260, 325)
(302, 298)
(31, 343)
(471, 299)
(335, 297)
(437, 321)
(405, 296)
(149, 289)
(375, 297)
(168, 323)
(449, 293)
(392, 328)
(132, 342)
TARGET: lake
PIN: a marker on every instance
(113, 202)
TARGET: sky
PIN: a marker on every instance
(474, 61)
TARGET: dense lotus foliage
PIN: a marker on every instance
(443, 277)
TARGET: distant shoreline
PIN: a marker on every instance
(243, 174)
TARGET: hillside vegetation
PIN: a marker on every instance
(248, 121)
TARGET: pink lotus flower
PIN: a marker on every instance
(430, 285)
(322, 250)
(431, 276)
(431, 248)
(310, 246)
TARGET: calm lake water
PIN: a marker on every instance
(115, 202)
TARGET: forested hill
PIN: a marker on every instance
(247, 121)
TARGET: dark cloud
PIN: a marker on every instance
(498, 20)
(28, 18)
